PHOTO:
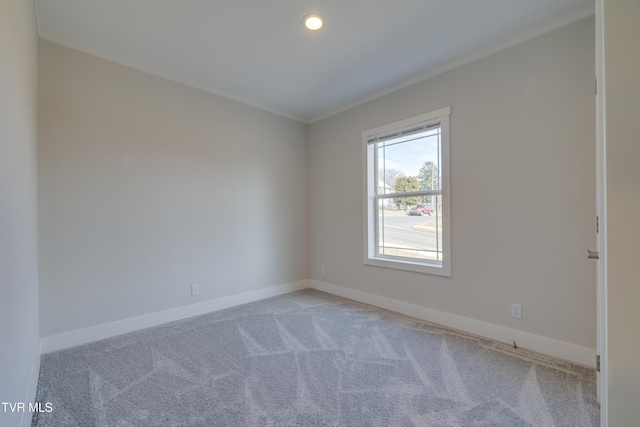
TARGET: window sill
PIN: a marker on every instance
(436, 268)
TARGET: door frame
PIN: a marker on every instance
(601, 200)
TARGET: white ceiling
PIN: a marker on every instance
(257, 52)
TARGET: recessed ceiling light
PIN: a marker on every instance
(313, 22)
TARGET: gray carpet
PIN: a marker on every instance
(310, 359)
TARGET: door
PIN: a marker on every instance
(601, 225)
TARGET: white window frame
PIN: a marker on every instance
(371, 255)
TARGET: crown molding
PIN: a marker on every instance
(531, 33)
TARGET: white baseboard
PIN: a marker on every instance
(107, 330)
(552, 347)
(25, 421)
(549, 346)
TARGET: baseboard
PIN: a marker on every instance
(25, 421)
(108, 330)
(574, 353)
(571, 352)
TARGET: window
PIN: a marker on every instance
(407, 223)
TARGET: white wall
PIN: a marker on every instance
(148, 186)
(18, 205)
(523, 189)
(622, 99)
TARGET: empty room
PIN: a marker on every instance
(319, 213)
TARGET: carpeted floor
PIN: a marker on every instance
(310, 359)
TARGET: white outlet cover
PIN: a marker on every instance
(195, 289)
(516, 311)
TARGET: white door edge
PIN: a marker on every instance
(601, 197)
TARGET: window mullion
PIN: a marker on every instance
(414, 194)
(376, 205)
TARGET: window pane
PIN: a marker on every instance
(406, 233)
(410, 163)
(438, 223)
(410, 227)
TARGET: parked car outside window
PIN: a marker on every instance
(421, 209)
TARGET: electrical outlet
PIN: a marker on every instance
(322, 271)
(516, 311)
(195, 289)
